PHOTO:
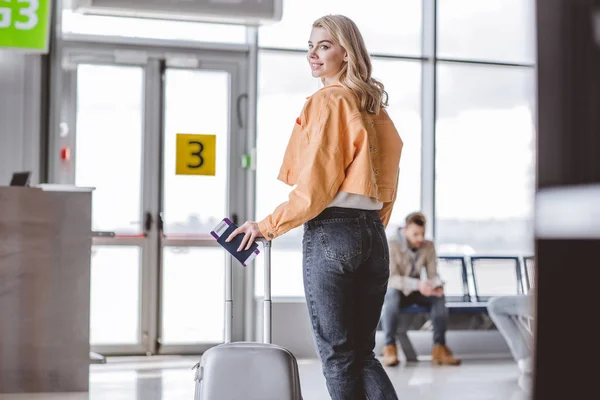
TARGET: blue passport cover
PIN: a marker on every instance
(222, 232)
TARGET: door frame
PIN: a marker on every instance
(154, 56)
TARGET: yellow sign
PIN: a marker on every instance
(196, 154)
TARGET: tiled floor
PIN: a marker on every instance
(171, 378)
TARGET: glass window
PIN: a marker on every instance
(284, 84)
(188, 210)
(397, 32)
(192, 277)
(498, 30)
(115, 295)
(118, 182)
(485, 159)
(151, 28)
(402, 80)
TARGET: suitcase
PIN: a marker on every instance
(248, 370)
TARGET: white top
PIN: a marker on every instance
(358, 201)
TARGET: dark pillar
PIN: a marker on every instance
(568, 199)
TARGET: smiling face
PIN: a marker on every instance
(325, 58)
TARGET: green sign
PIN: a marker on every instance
(24, 24)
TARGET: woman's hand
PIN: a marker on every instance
(250, 231)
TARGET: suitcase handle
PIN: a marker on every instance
(267, 326)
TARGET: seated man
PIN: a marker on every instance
(409, 252)
(506, 311)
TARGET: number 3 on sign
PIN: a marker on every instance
(196, 154)
(27, 16)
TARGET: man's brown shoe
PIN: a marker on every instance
(390, 355)
(441, 355)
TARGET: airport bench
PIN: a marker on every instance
(469, 283)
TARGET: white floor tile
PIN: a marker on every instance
(171, 378)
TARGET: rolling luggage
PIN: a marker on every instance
(248, 370)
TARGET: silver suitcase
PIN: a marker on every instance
(248, 370)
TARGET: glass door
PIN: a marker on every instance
(157, 279)
(196, 102)
(109, 137)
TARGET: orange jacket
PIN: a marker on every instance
(336, 147)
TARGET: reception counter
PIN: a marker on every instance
(45, 245)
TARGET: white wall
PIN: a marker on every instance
(20, 114)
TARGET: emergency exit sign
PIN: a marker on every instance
(24, 25)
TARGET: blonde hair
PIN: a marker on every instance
(356, 73)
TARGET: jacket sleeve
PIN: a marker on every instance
(398, 281)
(320, 177)
(432, 261)
(386, 211)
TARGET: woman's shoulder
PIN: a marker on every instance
(333, 92)
(335, 96)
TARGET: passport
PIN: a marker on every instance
(222, 231)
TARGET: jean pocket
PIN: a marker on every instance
(340, 238)
(381, 237)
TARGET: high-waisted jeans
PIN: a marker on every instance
(346, 269)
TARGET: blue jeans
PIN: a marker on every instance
(346, 269)
(395, 300)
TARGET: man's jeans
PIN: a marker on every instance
(395, 300)
(346, 270)
(504, 311)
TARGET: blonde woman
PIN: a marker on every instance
(343, 159)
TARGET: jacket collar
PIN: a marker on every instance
(325, 87)
(402, 239)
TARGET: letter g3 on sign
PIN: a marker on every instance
(24, 25)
